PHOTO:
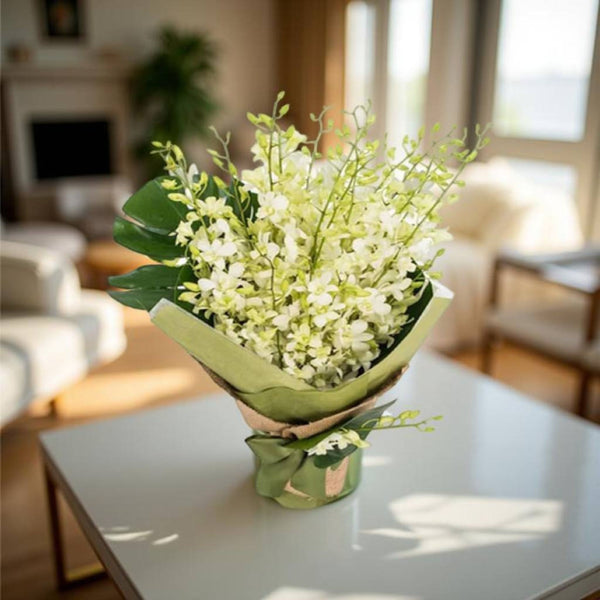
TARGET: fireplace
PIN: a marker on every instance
(71, 148)
(64, 121)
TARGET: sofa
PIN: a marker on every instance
(57, 236)
(497, 209)
(51, 331)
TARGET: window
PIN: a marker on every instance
(407, 67)
(556, 176)
(543, 68)
(538, 85)
(387, 62)
(360, 65)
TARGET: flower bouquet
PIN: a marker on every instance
(303, 286)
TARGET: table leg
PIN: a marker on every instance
(585, 379)
(65, 578)
(487, 348)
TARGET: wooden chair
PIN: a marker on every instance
(567, 331)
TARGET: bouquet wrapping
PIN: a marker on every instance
(304, 286)
(276, 403)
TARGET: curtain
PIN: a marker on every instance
(311, 60)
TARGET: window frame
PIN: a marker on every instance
(582, 155)
(451, 61)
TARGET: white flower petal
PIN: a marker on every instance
(227, 249)
(206, 285)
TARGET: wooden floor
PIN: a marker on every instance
(153, 371)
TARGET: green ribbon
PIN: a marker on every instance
(278, 464)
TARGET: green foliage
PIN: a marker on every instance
(142, 299)
(151, 277)
(151, 207)
(172, 90)
(158, 208)
(149, 284)
(363, 424)
(243, 203)
(157, 216)
(356, 423)
(157, 246)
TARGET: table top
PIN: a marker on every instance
(501, 502)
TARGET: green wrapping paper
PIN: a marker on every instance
(284, 472)
(277, 395)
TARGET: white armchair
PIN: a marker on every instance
(496, 209)
(52, 332)
(62, 238)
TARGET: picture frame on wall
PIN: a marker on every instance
(62, 20)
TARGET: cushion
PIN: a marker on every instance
(64, 239)
(500, 208)
(101, 320)
(35, 279)
(41, 355)
(14, 379)
(490, 195)
(52, 348)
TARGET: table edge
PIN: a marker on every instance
(591, 575)
(103, 551)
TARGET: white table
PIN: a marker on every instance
(501, 502)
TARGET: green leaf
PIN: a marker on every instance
(151, 207)
(360, 420)
(148, 284)
(310, 442)
(245, 210)
(150, 243)
(152, 277)
(141, 299)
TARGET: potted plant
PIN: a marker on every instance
(172, 91)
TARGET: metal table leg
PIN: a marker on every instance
(65, 578)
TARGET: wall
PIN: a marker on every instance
(243, 29)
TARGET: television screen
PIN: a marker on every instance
(71, 148)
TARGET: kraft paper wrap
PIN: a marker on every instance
(263, 423)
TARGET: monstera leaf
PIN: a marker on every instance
(151, 207)
(144, 287)
(153, 219)
(156, 218)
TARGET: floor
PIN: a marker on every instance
(153, 371)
